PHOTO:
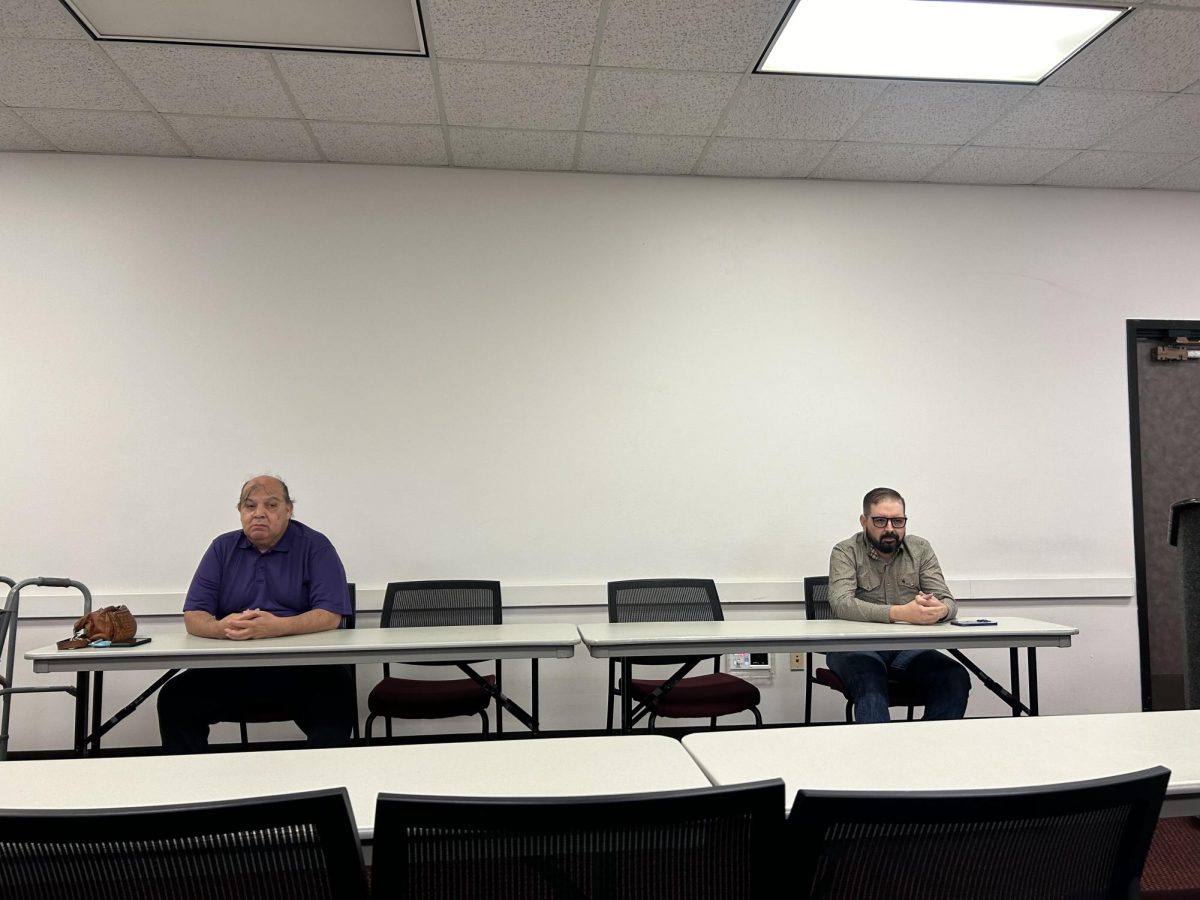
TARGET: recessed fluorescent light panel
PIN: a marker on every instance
(348, 26)
(948, 40)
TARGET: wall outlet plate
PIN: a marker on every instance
(744, 662)
(796, 662)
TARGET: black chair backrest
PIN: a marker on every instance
(415, 604)
(664, 600)
(710, 842)
(1081, 840)
(816, 598)
(350, 620)
(297, 846)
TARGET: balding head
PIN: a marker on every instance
(265, 505)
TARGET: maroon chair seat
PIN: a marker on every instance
(692, 697)
(437, 604)
(416, 698)
(701, 697)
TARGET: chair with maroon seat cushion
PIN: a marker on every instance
(414, 604)
(816, 606)
(702, 696)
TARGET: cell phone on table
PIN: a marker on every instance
(969, 623)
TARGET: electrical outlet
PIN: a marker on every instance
(797, 662)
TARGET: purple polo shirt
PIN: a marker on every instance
(300, 573)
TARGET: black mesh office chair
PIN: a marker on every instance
(292, 847)
(702, 696)
(415, 604)
(816, 606)
(270, 713)
(1081, 840)
(709, 842)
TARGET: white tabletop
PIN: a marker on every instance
(966, 754)
(357, 645)
(791, 635)
(550, 767)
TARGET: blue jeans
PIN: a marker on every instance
(865, 674)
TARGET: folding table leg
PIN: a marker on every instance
(1014, 670)
(1033, 685)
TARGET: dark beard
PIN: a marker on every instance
(889, 542)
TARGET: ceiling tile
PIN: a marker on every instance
(497, 149)
(1148, 50)
(497, 95)
(67, 74)
(693, 35)
(204, 80)
(639, 154)
(376, 144)
(799, 107)
(16, 134)
(540, 31)
(658, 102)
(38, 19)
(345, 88)
(881, 162)
(929, 113)
(998, 165)
(106, 131)
(274, 139)
(1185, 178)
(1066, 118)
(1171, 127)
(1114, 169)
(740, 157)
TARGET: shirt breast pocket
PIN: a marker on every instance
(870, 586)
(909, 588)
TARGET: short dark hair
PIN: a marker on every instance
(287, 495)
(876, 495)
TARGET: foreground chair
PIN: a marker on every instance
(292, 847)
(709, 842)
(413, 604)
(702, 696)
(1085, 839)
(816, 606)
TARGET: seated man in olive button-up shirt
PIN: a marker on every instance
(883, 575)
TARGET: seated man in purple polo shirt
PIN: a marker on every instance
(274, 577)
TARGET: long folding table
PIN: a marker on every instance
(548, 767)
(630, 639)
(961, 755)
(353, 646)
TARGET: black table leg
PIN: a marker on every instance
(991, 684)
(626, 702)
(1033, 685)
(536, 720)
(98, 730)
(1014, 678)
(499, 694)
(82, 683)
(519, 714)
(93, 740)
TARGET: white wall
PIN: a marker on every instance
(562, 379)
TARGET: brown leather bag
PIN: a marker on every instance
(112, 623)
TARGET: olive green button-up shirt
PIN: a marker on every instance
(862, 585)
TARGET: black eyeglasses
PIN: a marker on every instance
(882, 521)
